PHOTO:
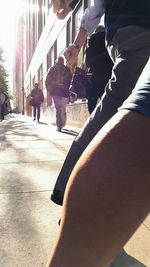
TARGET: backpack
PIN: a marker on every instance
(58, 76)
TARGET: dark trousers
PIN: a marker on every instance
(2, 111)
(92, 102)
(36, 112)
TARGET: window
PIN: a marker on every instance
(40, 76)
(51, 56)
(61, 41)
(75, 27)
(40, 26)
(33, 82)
(76, 20)
(69, 32)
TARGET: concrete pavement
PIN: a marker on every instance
(31, 156)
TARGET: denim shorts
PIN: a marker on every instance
(139, 99)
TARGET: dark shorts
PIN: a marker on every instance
(139, 99)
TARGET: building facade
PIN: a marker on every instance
(41, 39)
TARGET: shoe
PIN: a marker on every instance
(34, 119)
(57, 197)
(58, 130)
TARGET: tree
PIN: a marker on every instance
(4, 83)
(3, 75)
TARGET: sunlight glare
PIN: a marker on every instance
(10, 11)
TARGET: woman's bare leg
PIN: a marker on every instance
(107, 196)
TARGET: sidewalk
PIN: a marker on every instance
(31, 156)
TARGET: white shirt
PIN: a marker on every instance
(92, 16)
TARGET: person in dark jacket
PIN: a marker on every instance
(57, 83)
(2, 103)
(37, 99)
(100, 66)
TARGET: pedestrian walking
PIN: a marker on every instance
(100, 66)
(36, 100)
(57, 84)
(127, 27)
(2, 103)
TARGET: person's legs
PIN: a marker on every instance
(3, 111)
(107, 196)
(34, 113)
(92, 102)
(130, 59)
(0, 111)
(57, 103)
(38, 113)
(64, 101)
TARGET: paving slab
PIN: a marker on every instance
(28, 228)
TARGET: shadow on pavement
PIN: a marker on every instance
(71, 132)
(44, 123)
(68, 131)
(125, 260)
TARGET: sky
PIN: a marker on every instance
(10, 11)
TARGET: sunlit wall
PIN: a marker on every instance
(44, 39)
